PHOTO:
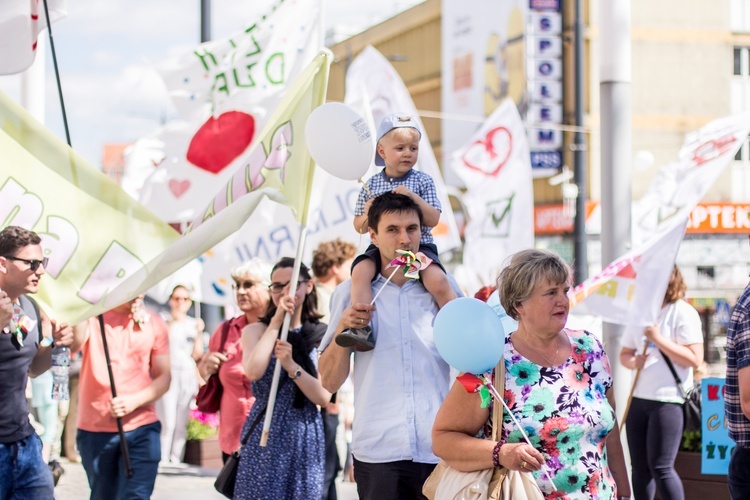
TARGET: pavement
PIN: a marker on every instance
(172, 483)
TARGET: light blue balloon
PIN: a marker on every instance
(469, 335)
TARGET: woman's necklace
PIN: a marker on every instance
(549, 362)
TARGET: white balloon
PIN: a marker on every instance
(340, 141)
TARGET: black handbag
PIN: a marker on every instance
(208, 399)
(227, 477)
(691, 407)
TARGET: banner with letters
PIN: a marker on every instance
(717, 446)
(93, 233)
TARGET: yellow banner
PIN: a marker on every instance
(94, 233)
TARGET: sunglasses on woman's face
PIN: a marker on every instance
(243, 285)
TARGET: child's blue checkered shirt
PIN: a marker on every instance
(417, 182)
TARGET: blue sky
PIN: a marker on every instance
(105, 50)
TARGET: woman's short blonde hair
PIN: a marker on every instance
(526, 270)
(256, 269)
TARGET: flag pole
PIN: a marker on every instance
(57, 74)
(120, 430)
(632, 389)
(123, 443)
(284, 334)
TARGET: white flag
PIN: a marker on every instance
(225, 90)
(371, 79)
(495, 167)
(630, 290)
(680, 186)
(21, 21)
(250, 66)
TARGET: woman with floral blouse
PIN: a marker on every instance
(558, 384)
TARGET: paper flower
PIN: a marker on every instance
(140, 317)
(413, 263)
(20, 324)
(473, 384)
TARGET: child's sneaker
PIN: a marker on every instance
(359, 338)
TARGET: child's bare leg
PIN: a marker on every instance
(436, 282)
(362, 276)
(360, 339)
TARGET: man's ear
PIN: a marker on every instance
(373, 236)
(3, 265)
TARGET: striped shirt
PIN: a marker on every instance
(416, 181)
(738, 357)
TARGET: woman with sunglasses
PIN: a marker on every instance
(291, 465)
(185, 349)
(250, 284)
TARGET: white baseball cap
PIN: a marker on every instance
(389, 122)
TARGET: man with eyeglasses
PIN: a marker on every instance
(24, 352)
(399, 385)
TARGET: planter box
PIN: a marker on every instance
(699, 486)
(205, 453)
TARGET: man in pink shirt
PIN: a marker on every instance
(138, 344)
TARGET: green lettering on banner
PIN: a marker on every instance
(223, 88)
(203, 54)
(255, 44)
(278, 59)
(250, 83)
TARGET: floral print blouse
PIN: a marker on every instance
(566, 415)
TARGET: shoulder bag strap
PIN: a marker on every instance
(38, 314)
(224, 334)
(258, 417)
(497, 407)
(674, 373)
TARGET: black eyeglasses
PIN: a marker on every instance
(33, 264)
(279, 287)
(243, 285)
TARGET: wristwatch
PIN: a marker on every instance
(297, 373)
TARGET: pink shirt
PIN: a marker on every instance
(237, 398)
(131, 349)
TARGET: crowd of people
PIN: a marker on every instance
(559, 424)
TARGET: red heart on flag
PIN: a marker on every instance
(178, 188)
(490, 154)
(220, 140)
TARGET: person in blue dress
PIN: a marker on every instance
(291, 465)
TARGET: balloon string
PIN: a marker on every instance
(365, 187)
(485, 380)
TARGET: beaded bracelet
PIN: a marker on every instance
(496, 455)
